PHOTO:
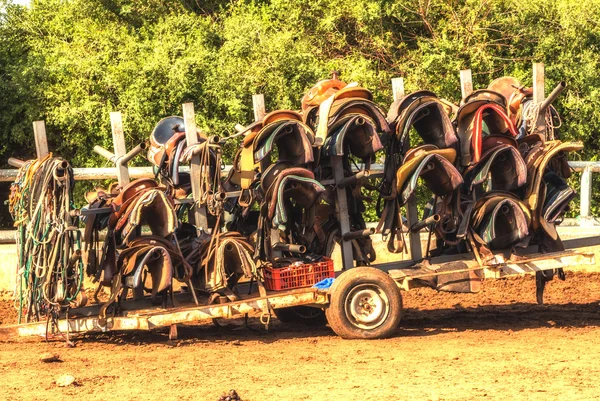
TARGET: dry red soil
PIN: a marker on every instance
(495, 345)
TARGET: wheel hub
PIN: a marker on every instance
(367, 306)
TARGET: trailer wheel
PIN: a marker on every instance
(301, 314)
(365, 304)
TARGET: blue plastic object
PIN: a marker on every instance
(324, 284)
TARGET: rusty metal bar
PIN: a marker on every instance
(553, 95)
(293, 248)
(108, 155)
(341, 208)
(124, 160)
(433, 219)
(349, 236)
(353, 179)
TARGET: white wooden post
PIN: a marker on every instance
(586, 198)
(466, 83)
(116, 125)
(397, 88)
(538, 83)
(258, 103)
(539, 95)
(41, 142)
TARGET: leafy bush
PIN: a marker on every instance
(73, 62)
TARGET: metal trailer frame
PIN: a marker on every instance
(139, 315)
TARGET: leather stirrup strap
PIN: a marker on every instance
(265, 318)
(247, 166)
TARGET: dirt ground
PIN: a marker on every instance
(495, 345)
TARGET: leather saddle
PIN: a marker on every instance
(168, 150)
(164, 139)
(160, 257)
(336, 107)
(497, 220)
(281, 130)
(283, 186)
(224, 259)
(502, 162)
(435, 166)
(151, 207)
(547, 193)
(355, 134)
(429, 117)
(482, 113)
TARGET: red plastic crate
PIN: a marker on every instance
(306, 275)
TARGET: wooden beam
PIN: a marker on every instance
(258, 104)
(466, 83)
(398, 88)
(41, 142)
(116, 126)
(191, 137)
(538, 83)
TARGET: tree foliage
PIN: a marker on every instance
(71, 62)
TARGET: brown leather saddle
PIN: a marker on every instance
(497, 220)
(424, 112)
(288, 196)
(501, 162)
(168, 151)
(482, 113)
(281, 132)
(547, 171)
(345, 119)
(224, 260)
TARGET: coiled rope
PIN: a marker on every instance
(50, 271)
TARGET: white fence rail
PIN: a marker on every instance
(103, 173)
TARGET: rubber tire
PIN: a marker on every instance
(336, 312)
(296, 314)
